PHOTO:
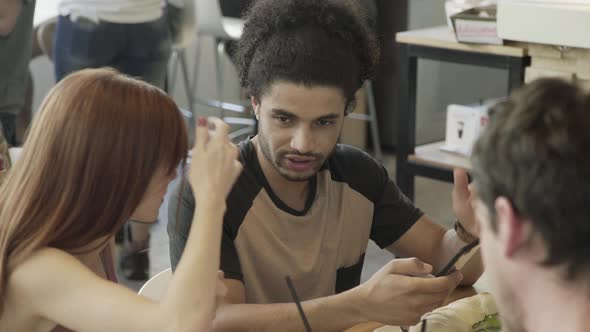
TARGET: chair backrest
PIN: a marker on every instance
(209, 18)
(157, 285)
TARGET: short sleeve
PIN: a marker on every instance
(180, 216)
(394, 214)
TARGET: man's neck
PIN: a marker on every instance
(292, 193)
(551, 305)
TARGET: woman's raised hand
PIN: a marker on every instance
(214, 167)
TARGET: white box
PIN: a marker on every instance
(553, 22)
(464, 125)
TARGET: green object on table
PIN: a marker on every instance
(490, 323)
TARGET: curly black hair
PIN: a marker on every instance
(311, 42)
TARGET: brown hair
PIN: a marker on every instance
(535, 153)
(92, 150)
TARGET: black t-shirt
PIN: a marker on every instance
(351, 200)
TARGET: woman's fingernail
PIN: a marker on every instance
(202, 121)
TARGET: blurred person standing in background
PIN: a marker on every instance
(16, 28)
(133, 37)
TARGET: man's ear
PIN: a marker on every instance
(255, 106)
(512, 230)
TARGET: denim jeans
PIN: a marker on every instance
(140, 50)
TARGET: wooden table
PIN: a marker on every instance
(442, 37)
(439, 44)
(462, 292)
(432, 154)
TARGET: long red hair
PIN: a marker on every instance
(92, 150)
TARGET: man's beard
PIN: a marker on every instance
(276, 162)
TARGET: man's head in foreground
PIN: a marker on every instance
(532, 176)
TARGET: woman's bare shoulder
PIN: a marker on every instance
(31, 283)
(43, 270)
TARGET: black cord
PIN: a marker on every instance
(299, 308)
(449, 266)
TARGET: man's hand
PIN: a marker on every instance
(462, 197)
(402, 291)
(9, 12)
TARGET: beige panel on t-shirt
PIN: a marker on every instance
(272, 243)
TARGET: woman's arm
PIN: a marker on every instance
(213, 171)
(61, 289)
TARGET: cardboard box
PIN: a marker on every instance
(564, 65)
(477, 25)
(580, 67)
(557, 52)
(532, 73)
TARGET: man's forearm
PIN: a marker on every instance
(333, 313)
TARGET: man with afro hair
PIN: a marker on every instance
(306, 206)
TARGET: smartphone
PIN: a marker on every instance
(465, 252)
